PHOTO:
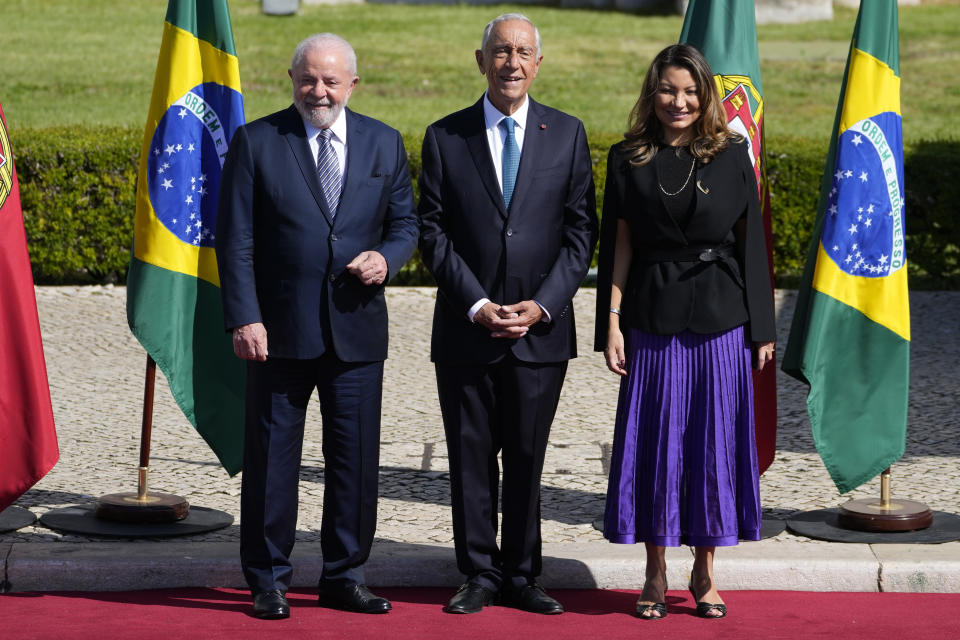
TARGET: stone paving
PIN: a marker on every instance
(96, 381)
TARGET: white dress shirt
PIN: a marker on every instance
(496, 137)
(338, 140)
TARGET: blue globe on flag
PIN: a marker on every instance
(863, 226)
(186, 158)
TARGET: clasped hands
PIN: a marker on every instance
(250, 340)
(509, 320)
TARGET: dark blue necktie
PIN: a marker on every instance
(510, 160)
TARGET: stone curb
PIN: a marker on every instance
(770, 565)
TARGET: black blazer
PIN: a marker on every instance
(669, 289)
(475, 248)
(282, 256)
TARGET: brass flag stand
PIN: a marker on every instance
(885, 514)
(143, 507)
(141, 513)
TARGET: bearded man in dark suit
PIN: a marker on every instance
(315, 214)
(508, 227)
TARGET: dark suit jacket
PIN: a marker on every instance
(667, 296)
(282, 256)
(540, 249)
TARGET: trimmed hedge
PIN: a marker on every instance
(77, 188)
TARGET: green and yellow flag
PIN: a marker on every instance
(850, 338)
(725, 32)
(173, 293)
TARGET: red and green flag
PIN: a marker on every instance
(850, 338)
(173, 289)
(28, 439)
(725, 32)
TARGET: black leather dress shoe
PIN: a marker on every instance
(470, 598)
(271, 605)
(354, 597)
(531, 598)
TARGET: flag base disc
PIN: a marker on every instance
(79, 519)
(13, 518)
(153, 509)
(822, 524)
(870, 514)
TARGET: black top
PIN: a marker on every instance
(674, 166)
(708, 275)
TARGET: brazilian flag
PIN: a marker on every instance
(173, 289)
(850, 338)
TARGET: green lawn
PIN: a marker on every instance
(73, 62)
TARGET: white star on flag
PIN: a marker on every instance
(167, 184)
(863, 176)
(857, 140)
(847, 173)
(189, 200)
(170, 150)
(182, 113)
(853, 229)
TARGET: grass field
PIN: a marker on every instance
(74, 62)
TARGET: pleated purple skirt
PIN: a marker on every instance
(684, 464)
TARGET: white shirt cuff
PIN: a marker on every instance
(476, 307)
(546, 314)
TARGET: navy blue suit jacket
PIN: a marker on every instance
(538, 250)
(282, 255)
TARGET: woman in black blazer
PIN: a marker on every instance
(684, 306)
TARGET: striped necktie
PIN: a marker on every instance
(328, 167)
(510, 160)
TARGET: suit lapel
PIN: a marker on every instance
(296, 137)
(476, 138)
(534, 139)
(354, 173)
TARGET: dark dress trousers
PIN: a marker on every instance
(501, 394)
(706, 276)
(282, 255)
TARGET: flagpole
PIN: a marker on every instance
(869, 514)
(142, 507)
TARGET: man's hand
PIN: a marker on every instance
(370, 267)
(250, 341)
(508, 321)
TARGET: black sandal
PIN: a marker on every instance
(704, 609)
(656, 607)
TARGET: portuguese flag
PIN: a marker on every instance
(725, 32)
(28, 440)
(173, 290)
(850, 339)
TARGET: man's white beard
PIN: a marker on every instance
(319, 117)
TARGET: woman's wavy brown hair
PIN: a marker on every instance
(710, 133)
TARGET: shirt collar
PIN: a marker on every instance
(339, 128)
(492, 116)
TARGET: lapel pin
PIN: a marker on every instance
(702, 188)
(542, 126)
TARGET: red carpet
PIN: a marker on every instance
(224, 613)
